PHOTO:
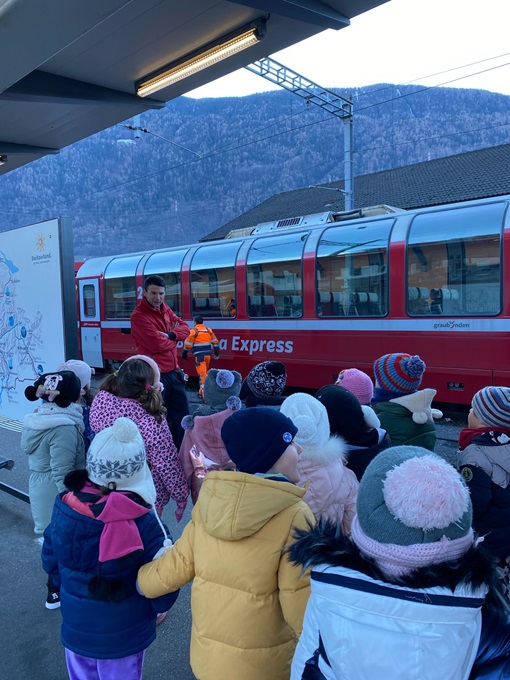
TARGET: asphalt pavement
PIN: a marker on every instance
(30, 638)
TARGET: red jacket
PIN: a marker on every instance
(146, 322)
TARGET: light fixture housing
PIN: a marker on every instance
(200, 59)
(3, 159)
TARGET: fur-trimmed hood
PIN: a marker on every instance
(325, 544)
(335, 448)
(50, 415)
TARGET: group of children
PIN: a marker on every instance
(327, 540)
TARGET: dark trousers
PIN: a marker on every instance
(176, 403)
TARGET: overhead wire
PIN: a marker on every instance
(327, 118)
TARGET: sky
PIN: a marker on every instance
(400, 42)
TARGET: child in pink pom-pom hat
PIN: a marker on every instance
(411, 582)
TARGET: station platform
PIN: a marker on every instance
(30, 633)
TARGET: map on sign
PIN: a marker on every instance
(31, 316)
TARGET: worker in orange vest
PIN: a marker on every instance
(201, 342)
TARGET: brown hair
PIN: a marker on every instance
(133, 380)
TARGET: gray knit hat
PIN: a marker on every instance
(413, 509)
(221, 384)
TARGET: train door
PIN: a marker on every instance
(90, 323)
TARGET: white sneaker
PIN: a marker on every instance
(40, 540)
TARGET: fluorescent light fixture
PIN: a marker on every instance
(201, 59)
(3, 159)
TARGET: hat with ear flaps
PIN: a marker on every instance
(61, 388)
(221, 388)
(413, 510)
(221, 392)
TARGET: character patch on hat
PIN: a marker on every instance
(467, 474)
(287, 437)
(49, 387)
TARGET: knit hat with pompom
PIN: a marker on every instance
(219, 386)
(414, 510)
(116, 460)
(399, 373)
(310, 417)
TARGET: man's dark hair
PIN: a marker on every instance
(198, 319)
(154, 280)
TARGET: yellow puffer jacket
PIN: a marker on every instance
(247, 600)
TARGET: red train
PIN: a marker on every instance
(330, 291)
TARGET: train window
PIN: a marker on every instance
(120, 286)
(168, 265)
(275, 277)
(213, 280)
(89, 300)
(454, 262)
(352, 270)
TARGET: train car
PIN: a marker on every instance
(330, 291)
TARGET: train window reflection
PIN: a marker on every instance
(213, 280)
(120, 287)
(168, 265)
(454, 262)
(352, 270)
(89, 300)
(274, 276)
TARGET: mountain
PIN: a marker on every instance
(125, 193)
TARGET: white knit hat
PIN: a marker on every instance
(116, 458)
(309, 416)
(79, 368)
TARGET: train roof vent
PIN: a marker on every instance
(370, 211)
(289, 222)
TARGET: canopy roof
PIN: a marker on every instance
(69, 67)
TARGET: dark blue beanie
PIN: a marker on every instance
(255, 438)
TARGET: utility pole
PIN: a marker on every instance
(325, 99)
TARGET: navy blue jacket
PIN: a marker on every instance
(96, 628)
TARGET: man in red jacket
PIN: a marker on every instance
(156, 330)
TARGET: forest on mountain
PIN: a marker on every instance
(204, 162)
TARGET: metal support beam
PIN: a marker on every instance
(20, 495)
(40, 86)
(325, 99)
(309, 11)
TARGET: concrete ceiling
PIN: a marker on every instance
(68, 67)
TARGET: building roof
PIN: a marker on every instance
(68, 68)
(474, 174)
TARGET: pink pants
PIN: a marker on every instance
(84, 668)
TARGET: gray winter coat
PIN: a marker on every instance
(52, 437)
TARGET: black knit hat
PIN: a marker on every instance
(264, 384)
(256, 438)
(345, 414)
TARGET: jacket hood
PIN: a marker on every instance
(235, 505)
(335, 448)
(50, 415)
(325, 544)
(207, 432)
(419, 403)
(47, 417)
